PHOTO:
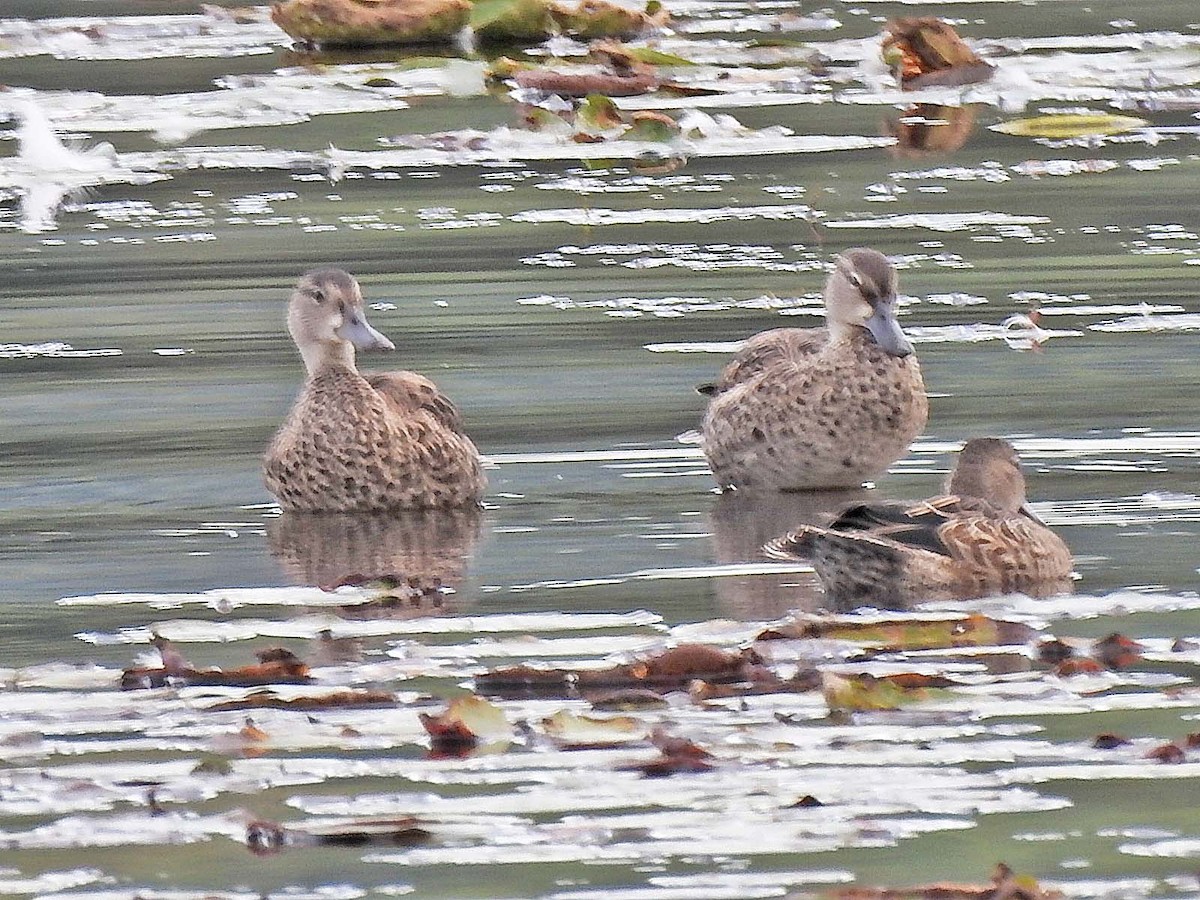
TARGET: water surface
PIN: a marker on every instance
(569, 308)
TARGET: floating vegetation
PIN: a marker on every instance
(595, 687)
(927, 51)
(275, 666)
(343, 23)
(346, 23)
(1070, 125)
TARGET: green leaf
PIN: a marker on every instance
(657, 57)
(511, 20)
(655, 127)
(598, 113)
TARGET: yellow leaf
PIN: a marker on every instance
(1070, 125)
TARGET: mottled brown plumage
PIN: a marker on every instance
(357, 442)
(811, 409)
(978, 539)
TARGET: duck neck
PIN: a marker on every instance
(842, 331)
(326, 357)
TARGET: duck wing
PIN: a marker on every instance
(917, 527)
(408, 393)
(764, 350)
(1021, 552)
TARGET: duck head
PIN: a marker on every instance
(327, 322)
(861, 292)
(989, 468)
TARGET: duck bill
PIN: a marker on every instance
(886, 330)
(358, 332)
(1030, 514)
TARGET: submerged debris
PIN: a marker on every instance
(264, 838)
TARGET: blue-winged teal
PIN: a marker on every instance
(363, 442)
(807, 409)
(980, 538)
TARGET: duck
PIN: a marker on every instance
(356, 442)
(823, 408)
(978, 539)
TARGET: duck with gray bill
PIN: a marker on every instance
(355, 442)
(811, 409)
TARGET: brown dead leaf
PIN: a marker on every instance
(685, 662)
(1054, 651)
(335, 700)
(1081, 665)
(582, 83)
(1005, 885)
(276, 666)
(1117, 651)
(525, 680)
(808, 801)
(673, 669)
(1167, 753)
(924, 51)
(465, 722)
(927, 129)
(251, 733)
(676, 756)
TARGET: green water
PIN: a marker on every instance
(139, 471)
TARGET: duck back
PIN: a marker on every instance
(347, 446)
(808, 419)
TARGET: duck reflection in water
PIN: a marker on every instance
(929, 129)
(741, 522)
(418, 557)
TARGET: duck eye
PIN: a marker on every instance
(318, 295)
(342, 307)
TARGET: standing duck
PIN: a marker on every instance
(980, 538)
(809, 409)
(356, 442)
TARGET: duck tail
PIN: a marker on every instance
(798, 544)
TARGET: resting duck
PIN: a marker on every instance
(810, 409)
(980, 538)
(357, 442)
